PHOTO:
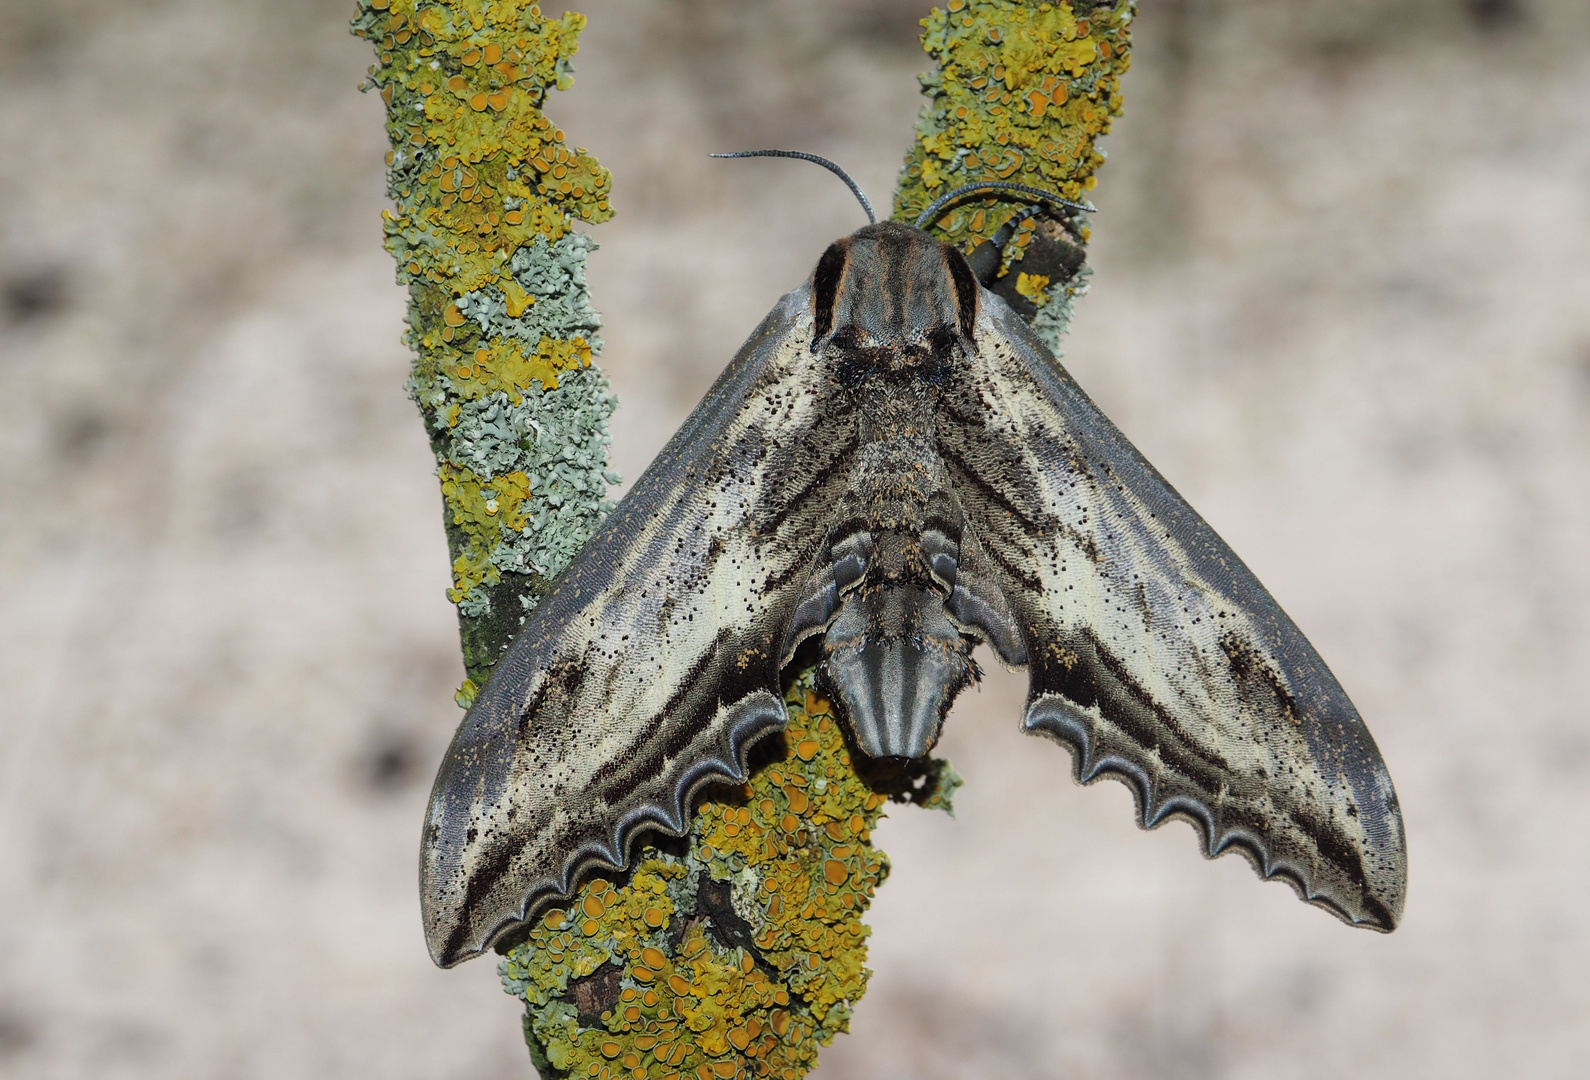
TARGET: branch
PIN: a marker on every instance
(486, 191)
(1022, 93)
(738, 950)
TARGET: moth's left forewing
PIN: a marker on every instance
(653, 661)
(1153, 651)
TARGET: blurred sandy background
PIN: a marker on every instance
(1342, 300)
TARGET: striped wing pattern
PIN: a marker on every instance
(654, 661)
(1154, 653)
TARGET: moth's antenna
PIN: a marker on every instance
(855, 188)
(948, 197)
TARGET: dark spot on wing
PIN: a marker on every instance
(491, 866)
(1336, 847)
(1250, 666)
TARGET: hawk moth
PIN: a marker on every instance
(894, 465)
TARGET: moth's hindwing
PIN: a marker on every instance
(1154, 653)
(654, 661)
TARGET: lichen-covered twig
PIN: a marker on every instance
(738, 950)
(735, 953)
(1021, 92)
(486, 189)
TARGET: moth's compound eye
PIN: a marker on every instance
(965, 291)
(942, 340)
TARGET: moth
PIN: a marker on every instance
(895, 466)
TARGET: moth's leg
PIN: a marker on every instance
(986, 257)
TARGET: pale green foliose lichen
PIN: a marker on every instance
(485, 191)
(555, 445)
(552, 275)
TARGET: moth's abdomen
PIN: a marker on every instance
(892, 655)
(896, 662)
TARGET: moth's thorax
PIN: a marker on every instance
(887, 412)
(893, 296)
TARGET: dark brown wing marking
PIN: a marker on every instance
(966, 290)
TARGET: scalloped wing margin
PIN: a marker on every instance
(653, 662)
(737, 728)
(1154, 653)
(1058, 719)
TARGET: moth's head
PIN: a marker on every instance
(890, 298)
(892, 291)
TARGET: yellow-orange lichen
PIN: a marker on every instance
(1021, 93)
(747, 983)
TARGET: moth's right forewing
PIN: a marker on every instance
(1153, 651)
(653, 662)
